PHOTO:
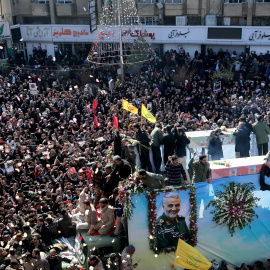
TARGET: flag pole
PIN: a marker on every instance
(141, 117)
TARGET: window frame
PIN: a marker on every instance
(64, 1)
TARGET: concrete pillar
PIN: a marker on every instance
(52, 11)
(250, 12)
(99, 11)
(201, 11)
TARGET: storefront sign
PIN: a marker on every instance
(105, 33)
(154, 34)
(138, 33)
(4, 30)
(258, 35)
(176, 33)
(38, 31)
(69, 32)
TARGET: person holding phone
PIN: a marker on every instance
(126, 258)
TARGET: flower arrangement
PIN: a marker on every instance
(152, 216)
(133, 185)
(234, 207)
(135, 142)
(110, 153)
(221, 162)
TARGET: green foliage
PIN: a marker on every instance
(223, 73)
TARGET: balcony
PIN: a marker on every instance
(262, 9)
(147, 8)
(235, 9)
(175, 9)
(65, 9)
(40, 9)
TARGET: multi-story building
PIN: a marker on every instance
(205, 12)
(236, 25)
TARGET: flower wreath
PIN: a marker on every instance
(152, 216)
(235, 206)
(133, 185)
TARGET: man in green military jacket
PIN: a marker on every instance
(151, 180)
(171, 226)
(200, 170)
(261, 130)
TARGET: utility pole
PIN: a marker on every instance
(120, 42)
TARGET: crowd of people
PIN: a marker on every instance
(55, 172)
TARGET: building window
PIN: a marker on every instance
(174, 1)
(235, 1)
(238, 21)
(261, 21)
(41, 1)
(147, 1)
(193, 20)
(141, 20)
(64, 1)
(262, 1)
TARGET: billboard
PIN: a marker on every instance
(214, 242)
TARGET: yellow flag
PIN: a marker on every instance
(190, 258)
(129, 107)
(146, 114)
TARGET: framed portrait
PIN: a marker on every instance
(172, 215)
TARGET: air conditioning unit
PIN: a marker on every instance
(227, 21)
(159, 5)
(211, 20)
(180, 20)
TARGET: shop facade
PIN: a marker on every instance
(190, 38)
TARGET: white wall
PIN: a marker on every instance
(260, 49)
(216, 48)
(44, 45)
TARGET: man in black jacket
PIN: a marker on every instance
(142, 138)
(168, 141)
(108, 186)
(65, 224)
(122, 169)
(55, 261)
(181, 144)
(44, 232)
(242, 141)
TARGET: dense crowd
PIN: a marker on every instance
(54, 165)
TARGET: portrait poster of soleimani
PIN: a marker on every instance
(172, 209)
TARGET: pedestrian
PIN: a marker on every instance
(182, 142)
(168, 141)
(126, 258)
(261, 130)
(215, 145)
(142, 138)
(151, 180)
(96, 263)
(242, 141)
(200, 169)
(175, 172)
(155, 143)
